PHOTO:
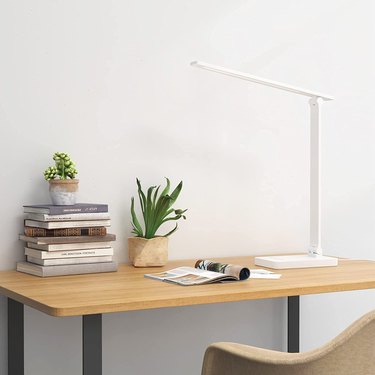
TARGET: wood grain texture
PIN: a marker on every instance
(128, 289)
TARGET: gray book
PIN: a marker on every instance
(62, 270)
(51, 209)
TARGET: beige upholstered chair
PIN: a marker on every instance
(350, 353)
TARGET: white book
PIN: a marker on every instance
(67, 224)
(69, 246)
(55, 262)
(72, 269)
(68, 253)
(69, 217)
(67, 239)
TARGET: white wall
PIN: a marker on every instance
(110, 83)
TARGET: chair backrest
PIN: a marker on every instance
(350, 353)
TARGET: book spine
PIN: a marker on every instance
(68, 254)
(66, 261)
(69, 217)
(63, 232)
(69, 246)
(67, 224)
(70, 239)
(78, 269)
(61, 210)
(74, 269)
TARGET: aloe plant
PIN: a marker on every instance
(156, 210)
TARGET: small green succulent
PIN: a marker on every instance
(64, 167)
(156, 210)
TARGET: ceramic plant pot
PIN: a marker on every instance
(63, 192)
(148, 252)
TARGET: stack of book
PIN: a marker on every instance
(67, 240)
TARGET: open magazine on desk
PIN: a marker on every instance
(206, 272)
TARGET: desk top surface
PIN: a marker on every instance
(128, 289)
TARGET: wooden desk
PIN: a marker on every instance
(127, 290)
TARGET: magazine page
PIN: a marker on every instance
(190, 276)
(239, 272)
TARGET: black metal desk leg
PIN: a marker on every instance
(293, 324)
(15, 338)
(92, 344)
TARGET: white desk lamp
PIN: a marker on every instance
(314, 257)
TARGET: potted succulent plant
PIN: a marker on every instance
(63, 186)
(147, 249)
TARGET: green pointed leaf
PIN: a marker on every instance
(134, 231)
(162, 207)
(149, 213)
(142, 197)
(154, 200)
(137, 227)
(172, 231)
(179, 211)
(169, 212)
(166, 189)
(176, 192)
(177, 217)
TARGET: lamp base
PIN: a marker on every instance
(295, 261)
